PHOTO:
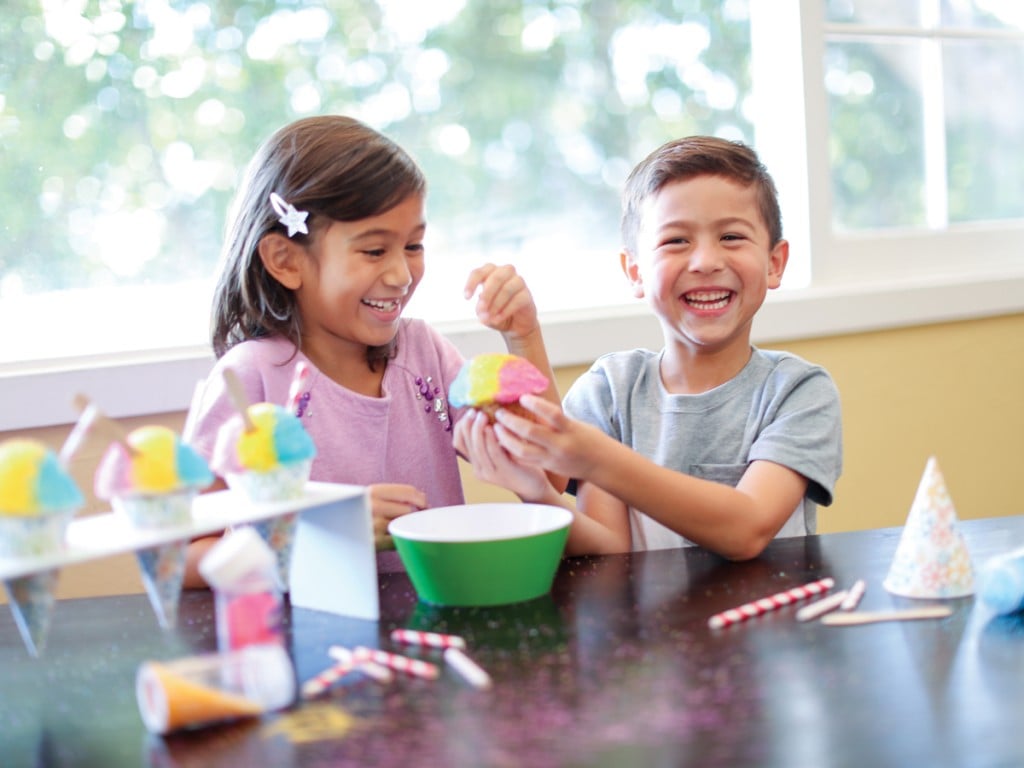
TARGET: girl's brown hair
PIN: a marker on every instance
(333, 167)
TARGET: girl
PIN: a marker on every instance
(324, 251)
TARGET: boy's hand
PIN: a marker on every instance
(476, 441)
(388, 501)
(503, 302)
(554, 441)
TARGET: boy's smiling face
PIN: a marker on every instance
(704, 263)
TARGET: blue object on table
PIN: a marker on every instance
(1001, 582)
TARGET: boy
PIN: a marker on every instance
(710, 441)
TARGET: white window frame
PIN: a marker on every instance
(863, 283)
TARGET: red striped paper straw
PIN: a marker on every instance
(369, 668)
(766, 604)
(853, 596)
(299, 379)
(322, 681)
(397, 662)
(821, 607)
(470, 671)
(429, 639)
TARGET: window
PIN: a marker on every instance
(125, 126)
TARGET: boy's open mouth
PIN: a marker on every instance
(707, 300)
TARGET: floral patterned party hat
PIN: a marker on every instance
(931, 559)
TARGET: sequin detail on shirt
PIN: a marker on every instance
(433, 400)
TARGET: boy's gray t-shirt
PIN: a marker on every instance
(779, 408)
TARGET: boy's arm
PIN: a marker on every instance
(605, 527)
(600, 523)
(735, 522)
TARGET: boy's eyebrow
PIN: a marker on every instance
(723, 222)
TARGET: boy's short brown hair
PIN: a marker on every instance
(685, 158)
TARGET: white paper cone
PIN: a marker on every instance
(279, 533)
(32, 598)
(163, 572)
(931, 559)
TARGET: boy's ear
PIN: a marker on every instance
(777, 261)
(632, 272)
(280, 257)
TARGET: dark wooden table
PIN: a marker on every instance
(616, 667)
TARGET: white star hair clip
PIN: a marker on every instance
(289, 215)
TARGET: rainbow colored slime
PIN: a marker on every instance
(495, 378)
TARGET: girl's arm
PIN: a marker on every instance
(735, 522)
(505, 304)
(604, 529)
(601, 524)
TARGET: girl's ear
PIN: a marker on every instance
(281, 258)
(632, 272)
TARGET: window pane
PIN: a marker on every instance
(987, 14)
(884, 12)
(983, 94)
(876, 129)
(125, 127)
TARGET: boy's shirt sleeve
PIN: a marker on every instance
(804, 433)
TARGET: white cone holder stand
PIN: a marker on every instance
(333, 558)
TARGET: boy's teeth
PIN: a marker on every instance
(708, 299)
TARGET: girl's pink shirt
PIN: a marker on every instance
(405, 436)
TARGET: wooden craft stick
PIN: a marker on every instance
(850, 618)
(92, 418)
(238, 398)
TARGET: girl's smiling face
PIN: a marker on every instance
(359, 276)
(704, 263)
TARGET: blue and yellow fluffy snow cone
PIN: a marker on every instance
(153, 477)
(270, 461)
(38, 498)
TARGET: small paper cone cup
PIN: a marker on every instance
(931, 559)
(279, 533)
(163, 573)
(32, 599)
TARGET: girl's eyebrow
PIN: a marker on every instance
(385, 232)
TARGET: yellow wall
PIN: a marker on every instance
(954, 391)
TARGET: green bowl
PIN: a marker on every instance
(482, 554)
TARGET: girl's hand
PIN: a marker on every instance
(503, 302)
(388, 501)
(553, 441)
(476, 441)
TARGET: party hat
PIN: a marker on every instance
(32, 599)
(163, 572)
(279, 533)
(931, 559)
